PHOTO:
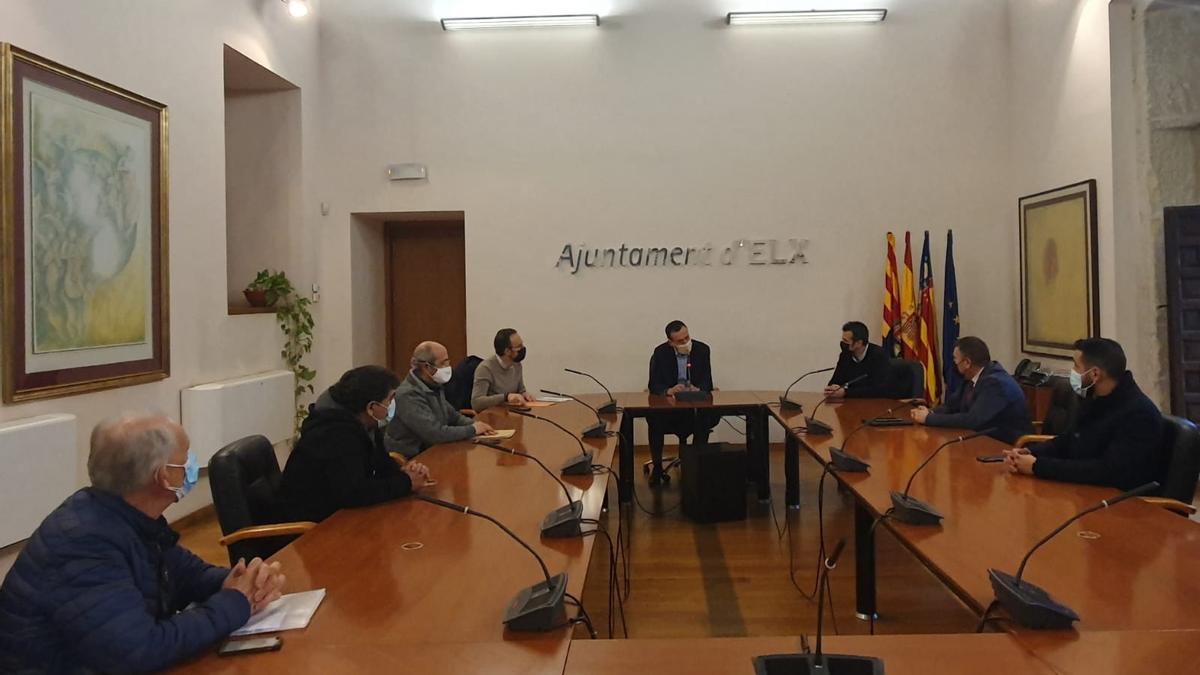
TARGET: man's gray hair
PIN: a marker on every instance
(423, 354)
(127, 450)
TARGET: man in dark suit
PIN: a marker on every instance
(1117, 438)
(679, 364)
(988, 398)
(860, 357)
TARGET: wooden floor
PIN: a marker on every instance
(731, 579)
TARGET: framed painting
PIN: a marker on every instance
(84, 229)
(1060, 296)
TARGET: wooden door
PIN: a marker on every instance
(427, 287)
(1183, 308)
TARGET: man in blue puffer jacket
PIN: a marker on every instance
(102, 585)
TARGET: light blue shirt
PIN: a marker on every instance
(681, 361)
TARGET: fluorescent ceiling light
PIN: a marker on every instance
(809, 16)
(543, 21)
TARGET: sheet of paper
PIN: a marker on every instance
(499, 433)
(540, 404)
(289, 612)
(553, 399)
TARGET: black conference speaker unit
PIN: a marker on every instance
(713, 482)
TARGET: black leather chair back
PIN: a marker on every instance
(245, 477)
(906, 379)
(1064, 406)
(462, 378)
(1181, 441)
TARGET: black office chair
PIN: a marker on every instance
(906, 379)
(1181, 459)
(668, 463)
(1064, 406)
(245, 477)
(462, 379)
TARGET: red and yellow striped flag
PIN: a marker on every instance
(908, 306)
(891, 301)
(927, 328)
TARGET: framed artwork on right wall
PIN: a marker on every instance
(1060, 292)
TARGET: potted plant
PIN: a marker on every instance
(267, 288)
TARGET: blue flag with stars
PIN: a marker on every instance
(950, 319)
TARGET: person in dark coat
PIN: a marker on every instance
(988, 398)
(859, 357)
(339, 460)
(103, 585)
(679, 364)
(1117, 437)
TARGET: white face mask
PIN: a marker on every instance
(685, 348)
(1077, 383)
(442, 376)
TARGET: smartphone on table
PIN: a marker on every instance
(251, 646)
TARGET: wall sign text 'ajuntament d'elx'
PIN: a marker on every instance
(576, 257)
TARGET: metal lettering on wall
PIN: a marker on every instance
(740, 252)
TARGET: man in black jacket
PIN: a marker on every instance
(859, 357)
(679, 364)
(988, 398)
(1116, 440)
(339, 460)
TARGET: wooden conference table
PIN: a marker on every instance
(1127, 653)
(438, 609)
(1139, 573)
(748, 404)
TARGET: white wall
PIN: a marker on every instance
(1061, 120)
(172, 52)
(265, 228)
(664, 127)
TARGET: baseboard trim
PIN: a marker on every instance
(202, 514)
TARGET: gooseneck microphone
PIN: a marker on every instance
(597, 430)
(565, 521)
(537, 608)
(1030, 605)
(607, 408)
(833, 664)
(887, 420)
(844, 461)
(815, 427)
(579, 465)
(786, 403)
(688, 395)
(914, 511)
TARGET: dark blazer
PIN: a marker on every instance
(664, 371)
(337, 463)
(997, 402)
(102, 587)
(875, 365)
(1116, 441)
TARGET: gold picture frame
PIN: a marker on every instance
(84, 224)
(1060, 291)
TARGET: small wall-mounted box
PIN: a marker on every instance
(410, 171)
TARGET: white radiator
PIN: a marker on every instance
(218, 413)
(37, 471)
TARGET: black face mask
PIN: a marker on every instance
(844, 347)
(520, 355)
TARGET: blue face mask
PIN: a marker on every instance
(191, 475)
(390, 414)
